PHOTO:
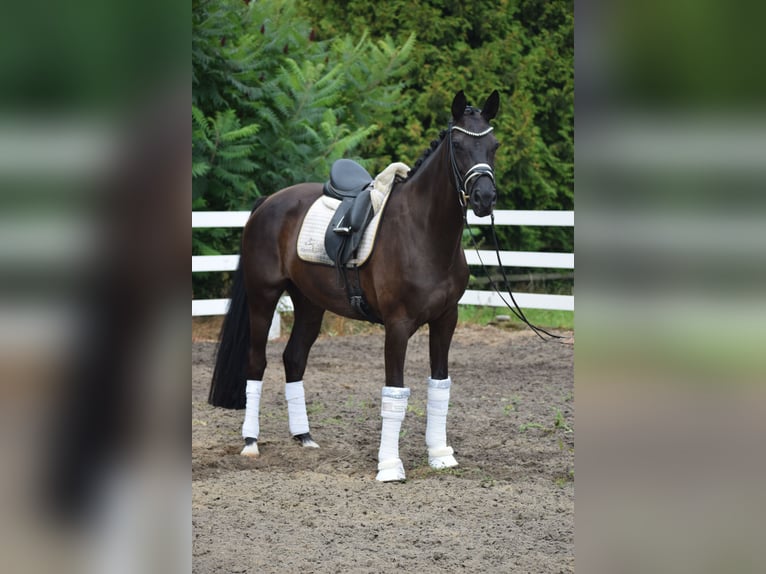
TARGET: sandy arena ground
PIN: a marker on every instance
(508, 507)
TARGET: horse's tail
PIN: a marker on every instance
(227, 388)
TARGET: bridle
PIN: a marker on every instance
(475, 172)
(461, 184)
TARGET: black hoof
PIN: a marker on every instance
(250, 441)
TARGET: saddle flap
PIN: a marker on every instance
(347, 179)
(347, 227)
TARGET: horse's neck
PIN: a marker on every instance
(432, 203)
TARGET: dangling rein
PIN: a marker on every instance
(461, 183)
(515, 309)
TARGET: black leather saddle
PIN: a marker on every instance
(350, 183)
(347, 179)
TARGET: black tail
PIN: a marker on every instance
(227, 389)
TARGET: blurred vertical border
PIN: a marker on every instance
(94, 201)
(95, 190)
(671, 238)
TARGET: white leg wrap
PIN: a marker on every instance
(251, 427)
(393, 407)
(439, 454)
(296, 408)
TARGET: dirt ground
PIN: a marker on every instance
(508, 507)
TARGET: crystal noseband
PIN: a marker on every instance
(477, 171)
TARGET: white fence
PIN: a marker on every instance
(201, 263)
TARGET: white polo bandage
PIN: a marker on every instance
(393, 407)
(439, 454)
(251, 427)
(436, 413)
(296, 408)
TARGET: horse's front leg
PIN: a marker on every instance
(393, 405)
(440, 337)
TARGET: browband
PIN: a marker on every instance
(474, 134)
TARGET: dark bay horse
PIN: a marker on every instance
(416, 274)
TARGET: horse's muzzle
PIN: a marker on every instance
(483, 199)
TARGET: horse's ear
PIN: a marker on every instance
(458, 106)
(489, 110)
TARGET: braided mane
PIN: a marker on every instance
(469, 110)
(434, 144)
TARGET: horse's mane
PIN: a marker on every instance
(434, 144)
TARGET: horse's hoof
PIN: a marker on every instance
(305, 440)
(390, 471)
(251, 448)
(441, 458)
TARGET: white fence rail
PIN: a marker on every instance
(215, 263)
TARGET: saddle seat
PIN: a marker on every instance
(347, 180)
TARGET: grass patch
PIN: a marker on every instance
(539, 317)
(559, 424)
(356, 404)
(512, 406)
(208, 328)
(314, 408)
(416, 409)
(568, 478)
(335, 326)
(335, 420)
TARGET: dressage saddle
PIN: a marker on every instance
(351, 184)
(347, 179)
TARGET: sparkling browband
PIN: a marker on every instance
(474, 134)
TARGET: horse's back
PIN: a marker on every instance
(281, 212)
(270, 234)
(286, 201)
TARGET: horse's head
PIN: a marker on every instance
(472, 152)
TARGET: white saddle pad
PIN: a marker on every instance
(311, 236)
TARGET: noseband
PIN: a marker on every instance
(475, 172)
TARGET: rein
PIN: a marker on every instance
(515, 308)
(461, 184)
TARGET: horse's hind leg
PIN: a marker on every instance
(308, 322)
(261, 307)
